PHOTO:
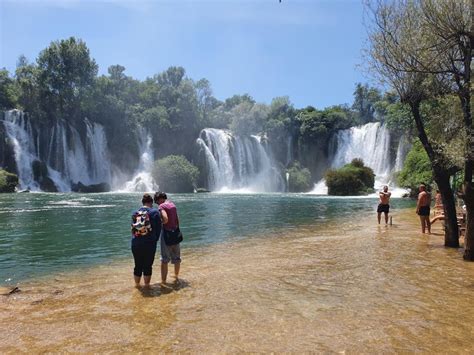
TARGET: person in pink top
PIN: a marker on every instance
(169, 250)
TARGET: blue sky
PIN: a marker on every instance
(309, 50)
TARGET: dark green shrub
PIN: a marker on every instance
(352, 179)
(175, 173)
(8, 181)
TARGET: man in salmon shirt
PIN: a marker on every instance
(169, 216)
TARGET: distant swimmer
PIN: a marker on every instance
(384, 204)
(423, 209)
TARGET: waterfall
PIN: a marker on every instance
(99, 161)
(20, 133)
(371, 143)
(143, 179)
(67, 157)
(402, 151)
(237, 163)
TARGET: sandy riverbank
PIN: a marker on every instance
(350, 286)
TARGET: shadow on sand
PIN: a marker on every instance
(159, 289)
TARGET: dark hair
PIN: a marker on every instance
(158, 195)
(147, 199)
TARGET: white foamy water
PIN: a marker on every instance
(371, 143)
(143, 180)
(237, 163)
(66, 156)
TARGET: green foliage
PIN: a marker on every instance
(66, 71)
(352, 179)
(248, 118)
(175, 173)
(417, 168)
(399, 118)
(8, 93)
(365, 100)
(8, 181)
(235, 100)
(315, 124)
(27, 82)
(299, 178)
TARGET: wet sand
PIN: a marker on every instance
(351, 286)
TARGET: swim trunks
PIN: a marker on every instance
(383, 208)
(424, 211)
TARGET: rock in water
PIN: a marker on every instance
(94, 188)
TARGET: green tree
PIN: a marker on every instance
(365, 99)
(175, 173)
(66, 72)
(27, 80)
(248, 118)
(416, 169)
(8, 92)
(414, 47)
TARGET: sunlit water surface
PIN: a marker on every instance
(260, 273)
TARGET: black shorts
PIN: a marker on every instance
(424, 211)
(383, 208)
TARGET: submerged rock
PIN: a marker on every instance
(41, 175)
(93, 188)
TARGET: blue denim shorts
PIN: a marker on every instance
(169, 252)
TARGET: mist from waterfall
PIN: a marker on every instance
(67, 157)
(236, 163)
(143, 180)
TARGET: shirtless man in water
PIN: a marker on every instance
(384, 204)
(423, 209)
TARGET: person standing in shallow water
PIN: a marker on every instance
(423, 208)
(169, 216)
(146, 227)
(384, 205)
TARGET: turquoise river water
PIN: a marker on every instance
(47, 233)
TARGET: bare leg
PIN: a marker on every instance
(137, 280)
(147, 280)
(422, 220)
(164, 272)
(428, 224)
(176, 270)
(378, 216)
(386, 218)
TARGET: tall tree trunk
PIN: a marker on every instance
(441, 177)
(465, 96)
(451, 229)
(468, 197)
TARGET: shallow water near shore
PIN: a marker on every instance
(335, 285)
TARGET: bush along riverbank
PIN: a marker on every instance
(8, 181)
(352, 179)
